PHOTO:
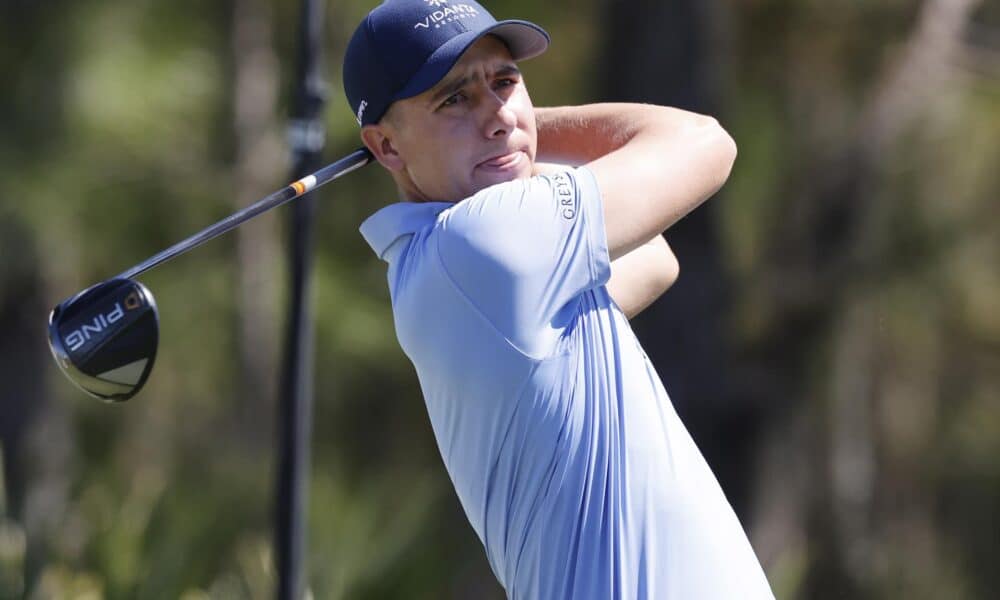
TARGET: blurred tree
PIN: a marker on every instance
(35, 432)
(670, 53)
(24, 396)
(836, 238)
(257, 166)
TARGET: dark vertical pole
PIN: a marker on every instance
(306, 136)
(686, 333)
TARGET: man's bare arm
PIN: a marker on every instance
(639, 277)
(653, 164)
(642, 276)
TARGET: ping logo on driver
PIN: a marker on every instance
(78, 337)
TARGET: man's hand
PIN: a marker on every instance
(642, 275)
(653, 164)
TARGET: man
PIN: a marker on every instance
(511, 285)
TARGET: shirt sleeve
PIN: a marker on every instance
(523, 252)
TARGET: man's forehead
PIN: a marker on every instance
(489, 54)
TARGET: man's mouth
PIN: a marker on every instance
(503, 162)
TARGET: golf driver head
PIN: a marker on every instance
(104, 338)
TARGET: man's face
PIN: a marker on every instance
(474, 129)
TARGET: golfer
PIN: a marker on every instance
(512, 283)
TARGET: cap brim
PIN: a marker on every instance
(523, 38)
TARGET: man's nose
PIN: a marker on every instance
(500, 119)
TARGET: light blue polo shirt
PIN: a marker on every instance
(562, 444)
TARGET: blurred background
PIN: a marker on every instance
(833, 342)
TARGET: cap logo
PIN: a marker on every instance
(361, 111)
(446, 14)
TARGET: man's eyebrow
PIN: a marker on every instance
(508, 69)
(450, 87)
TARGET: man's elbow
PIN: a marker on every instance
(729, 151)
(710, 153)
(721, 147)
(669, 270)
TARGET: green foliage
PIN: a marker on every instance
(117, 139)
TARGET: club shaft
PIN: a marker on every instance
(351, 162)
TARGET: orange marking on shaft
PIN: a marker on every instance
(300, 188)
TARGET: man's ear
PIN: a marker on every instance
(378, 139)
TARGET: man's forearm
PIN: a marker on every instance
(575, 135)
(643, 275)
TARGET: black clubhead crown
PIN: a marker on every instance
(104, 338)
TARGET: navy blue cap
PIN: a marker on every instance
(404, 47)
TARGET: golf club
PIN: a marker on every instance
(105, 337)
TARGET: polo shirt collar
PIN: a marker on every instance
(383, 228)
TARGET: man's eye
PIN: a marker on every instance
(453, 99)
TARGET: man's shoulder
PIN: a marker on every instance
(382, 229)
(504, 200)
